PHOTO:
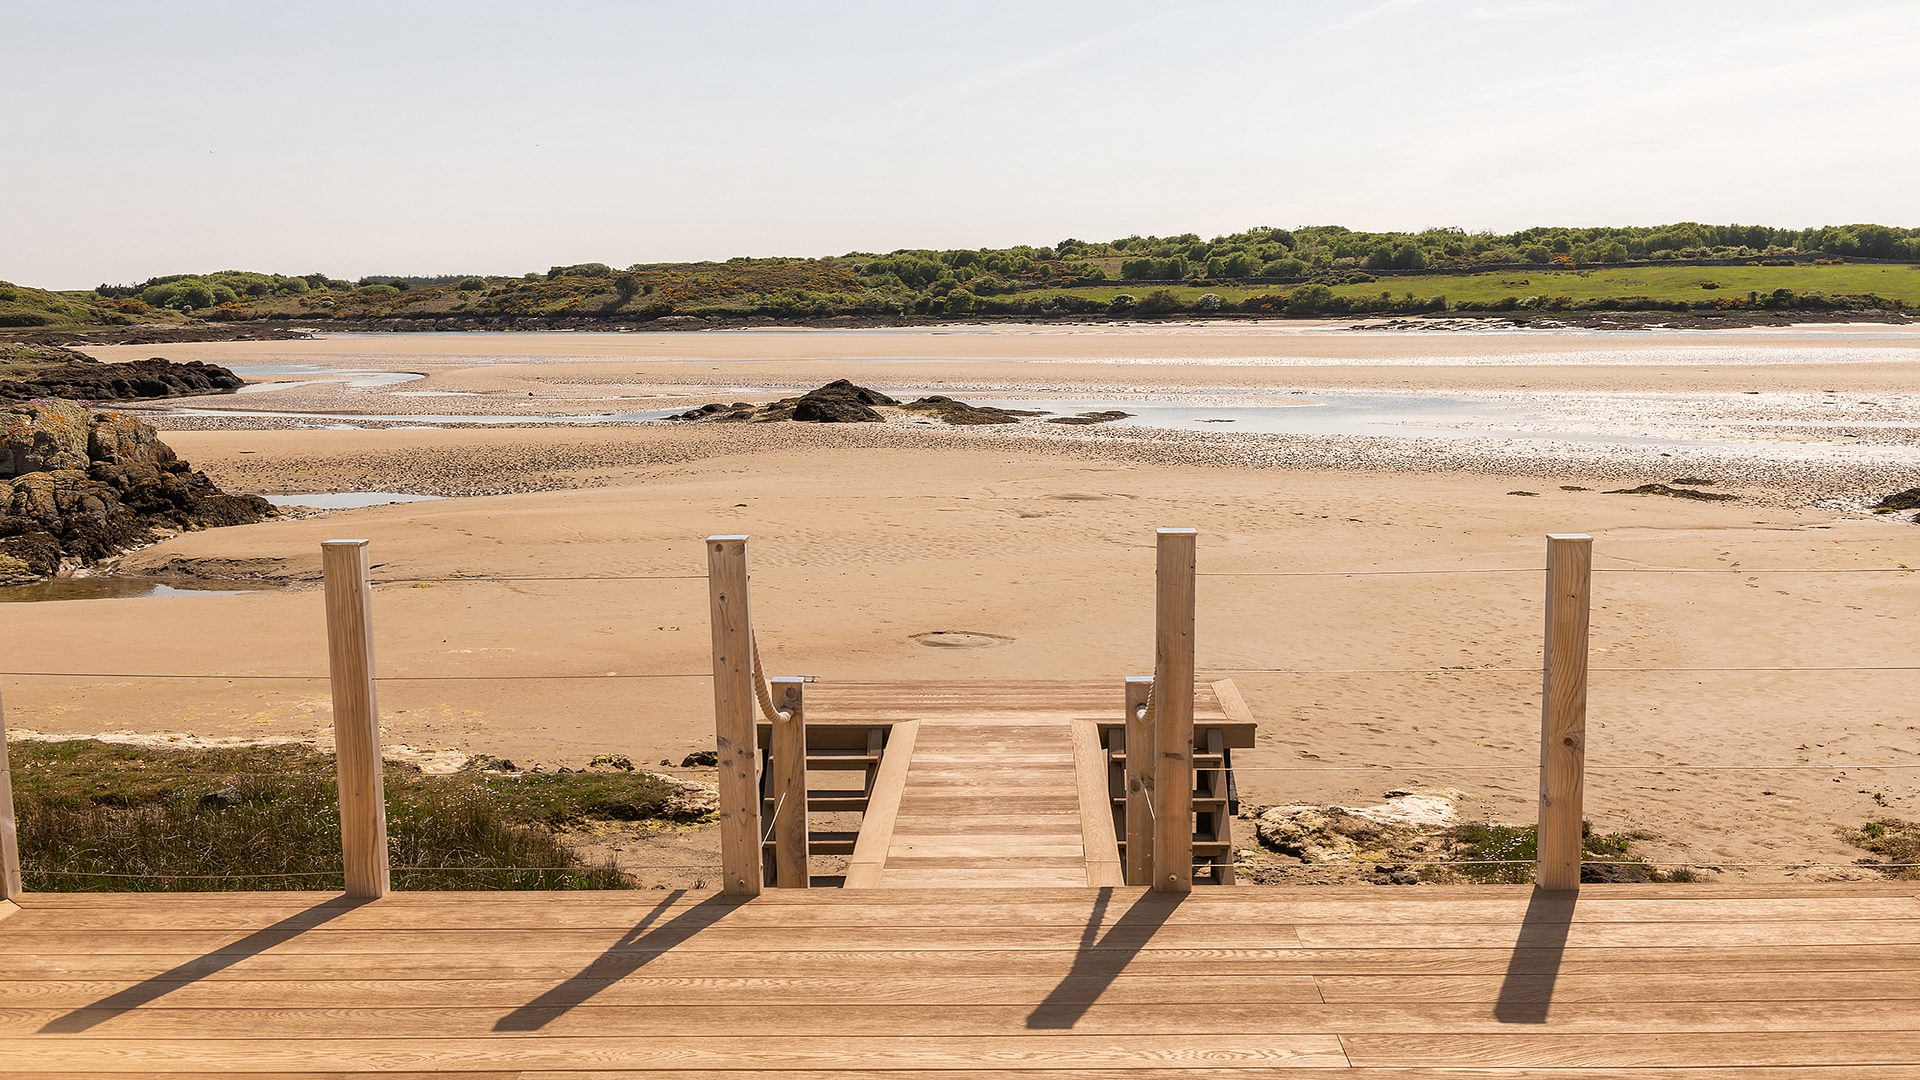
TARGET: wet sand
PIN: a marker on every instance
(864, 537)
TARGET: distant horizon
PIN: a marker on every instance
(494, 139)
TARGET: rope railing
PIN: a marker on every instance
(762, 693)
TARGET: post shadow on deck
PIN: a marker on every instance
(150, 990)
(1101, 959)
(1527, 990)
(636, 949)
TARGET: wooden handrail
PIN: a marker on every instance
(1139, 781)
(1173, 710)
(734, 737)
(356, 717)
(1563, 711)
(791, 869)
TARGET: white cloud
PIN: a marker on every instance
(1533, 9)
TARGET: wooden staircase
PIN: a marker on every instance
(995, 784)
(1215, 801)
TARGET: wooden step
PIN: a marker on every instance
(1200, 760)
(1200, 802)
(839, 802)
(840, 757)
(1200, 847)
(824, 842)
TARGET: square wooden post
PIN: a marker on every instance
(791, 869)
(1173, 711)
(356, 717)
(734, 737)
(1563, 711)
(1139, 868)
(10, 888)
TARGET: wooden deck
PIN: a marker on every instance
(1697, 981)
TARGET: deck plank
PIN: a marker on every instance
(676, 1054)
(459, 1019)
(621, 910)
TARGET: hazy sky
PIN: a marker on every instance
(413, 137)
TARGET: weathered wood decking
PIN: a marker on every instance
(1697, 981)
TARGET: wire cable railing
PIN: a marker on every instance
(216, 677)
(515, 578)
(760, 692)
(1444, 571)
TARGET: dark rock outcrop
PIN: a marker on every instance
(46, 371)
(77, 487)
(965, 415)
(1675, 493)
(1900, 500)
(1106, 416)
(838, 402)
(844, 402)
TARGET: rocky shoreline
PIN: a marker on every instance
(82, 487)
(269, 330)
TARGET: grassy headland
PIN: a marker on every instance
(1310, 271)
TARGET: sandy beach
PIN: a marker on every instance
(865, 536)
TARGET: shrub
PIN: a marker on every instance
(1160, 302)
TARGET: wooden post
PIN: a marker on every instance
(1139, 868)
(734, 737)
(1173, 711)
(9, 833)
(1563, 710)
(356, 717)
(790, 866)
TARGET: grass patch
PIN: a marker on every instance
(1665, 284)
(100, 817)
(1896, 842)
(1610, 855)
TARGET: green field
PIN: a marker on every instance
(1664, 283)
